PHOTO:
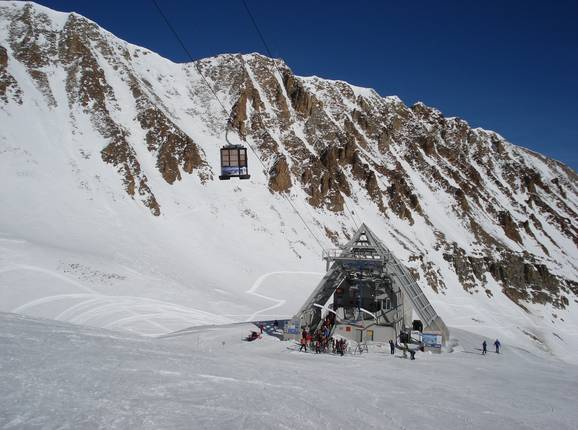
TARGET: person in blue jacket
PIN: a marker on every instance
(497, 344)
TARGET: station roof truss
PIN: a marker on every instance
(366, 253)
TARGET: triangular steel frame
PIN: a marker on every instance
(365, 250)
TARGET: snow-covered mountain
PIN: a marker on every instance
(112, 213)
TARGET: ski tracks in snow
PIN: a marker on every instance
(278, 302)
(112, 312)
(130, 312)
(52, 273)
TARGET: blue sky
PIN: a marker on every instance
(508, 66)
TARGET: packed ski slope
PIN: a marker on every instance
(57, 375)
(157, 292)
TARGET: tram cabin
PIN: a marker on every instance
(234, 162)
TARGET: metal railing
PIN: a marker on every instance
(412, 290)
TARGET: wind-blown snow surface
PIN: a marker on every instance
(57, 375)
(74, 246)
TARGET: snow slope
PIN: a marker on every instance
(57, 375)
(104, 223)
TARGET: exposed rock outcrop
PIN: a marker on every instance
(9, 89)
(86, 85)
(173, 147)
(509, 226)
(279, 176)
(34, 44)
(301, 100)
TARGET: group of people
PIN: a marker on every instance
(497, 344)
(321, 340)
(411, 351)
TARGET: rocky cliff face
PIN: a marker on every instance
(329, 138)
(491, 211)
(78, 48)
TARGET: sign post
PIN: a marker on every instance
(432, 341)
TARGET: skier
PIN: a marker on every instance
(484, 347)
(391, 347)
(303, 340)
(497, 344)
(412, 354)
(338, 345)
(342, 346)
(261, 326)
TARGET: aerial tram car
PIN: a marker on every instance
(234, 162)
(233, 156)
